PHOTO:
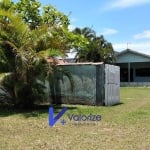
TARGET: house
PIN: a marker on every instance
(134, 66)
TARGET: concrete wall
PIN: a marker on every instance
(84, 78)
(112, 84)
(94, 84)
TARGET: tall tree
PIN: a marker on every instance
(23, 49)
(27, 66)
(29, 10)
(35, 15)
(97, 49)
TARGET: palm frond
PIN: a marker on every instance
(5, 96)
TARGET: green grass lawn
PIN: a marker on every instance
(123, 127)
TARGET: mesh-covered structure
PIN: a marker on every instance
(94, 84)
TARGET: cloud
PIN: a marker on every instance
(126, 3)
(143, 35)
(109, 31)
(143, 47)
(71, 27)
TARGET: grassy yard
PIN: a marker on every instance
(123, 127)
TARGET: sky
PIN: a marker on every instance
(124, 23)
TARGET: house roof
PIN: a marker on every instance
(131, 51)
(129, 55)
(82, 63)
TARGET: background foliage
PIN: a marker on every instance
(29, 34)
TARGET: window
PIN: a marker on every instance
(143, 72)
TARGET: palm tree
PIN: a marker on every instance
(23, 53)
(97, 49)
(100, 50)
(25, 66)
(89, 34)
